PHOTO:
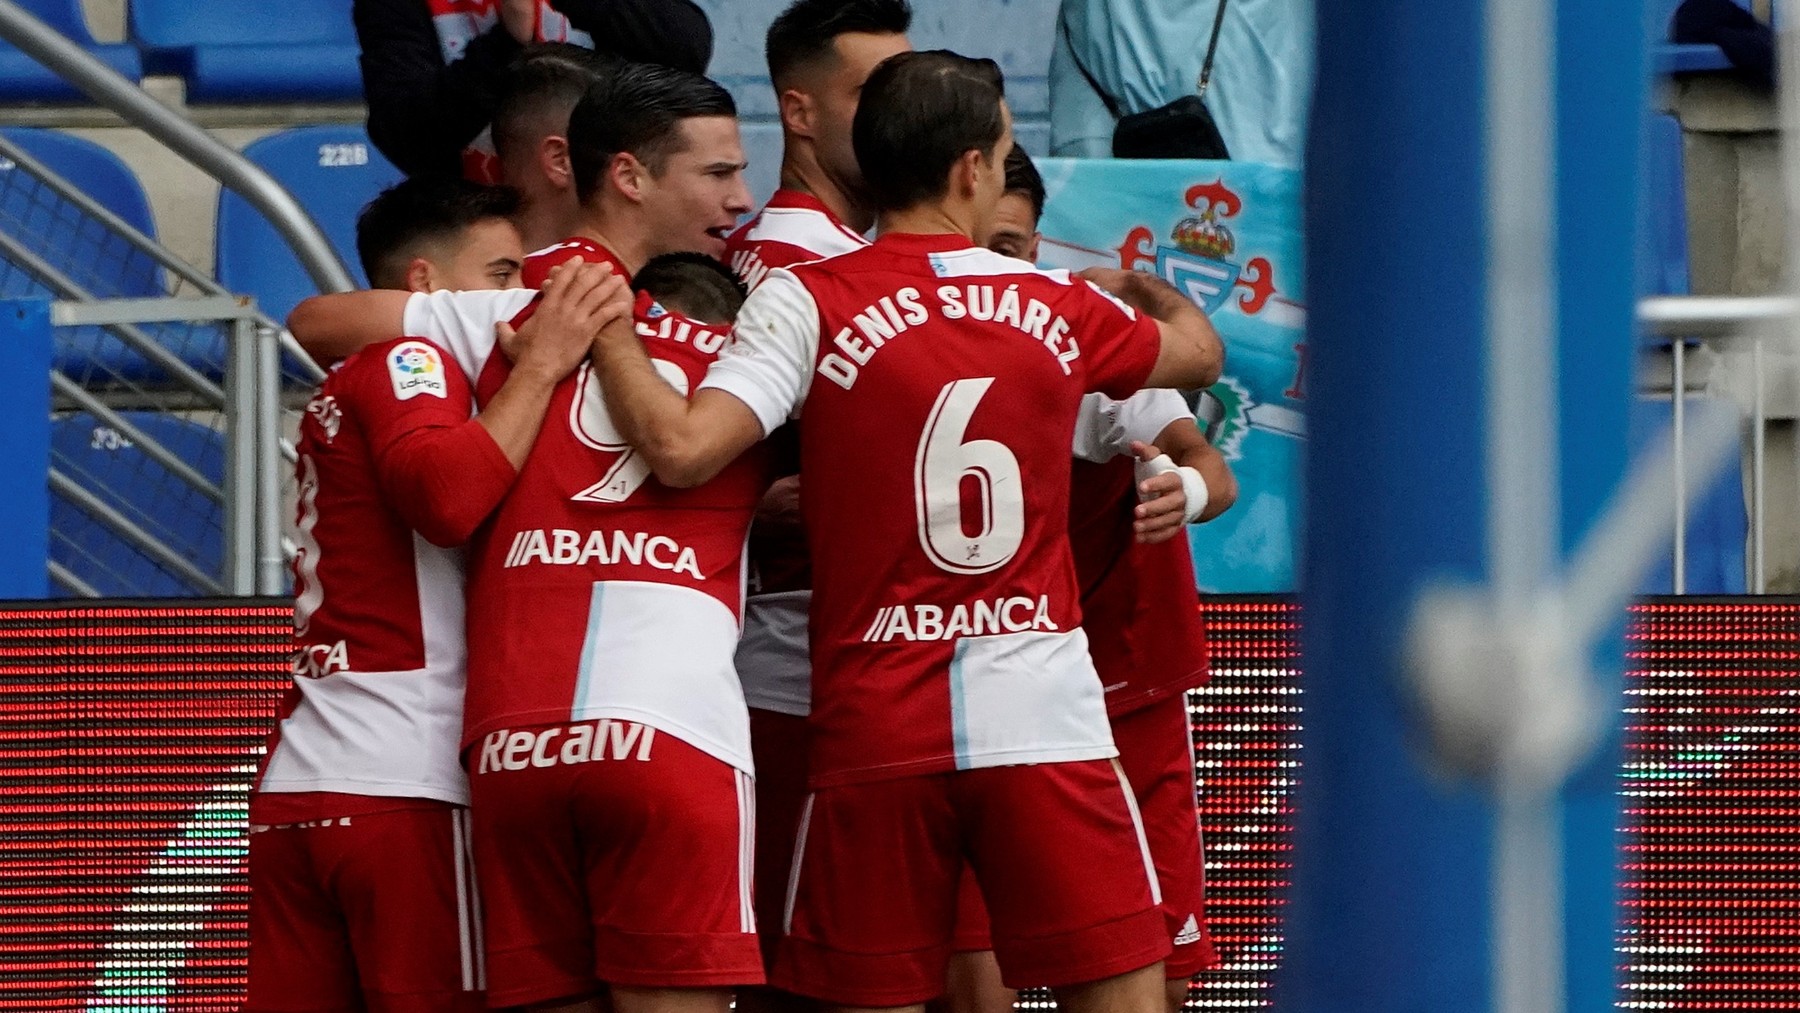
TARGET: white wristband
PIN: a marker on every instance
(1193, 486)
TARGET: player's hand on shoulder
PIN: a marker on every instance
(1112, 279)
(579, 298)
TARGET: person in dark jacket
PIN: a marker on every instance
(432, 68)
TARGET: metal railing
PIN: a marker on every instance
(1753, 319)
(184, 274)
(235, 172)
(131, 502)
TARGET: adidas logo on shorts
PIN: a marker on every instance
(1190, 932)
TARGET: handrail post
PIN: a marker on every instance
(241, 477)
(271, 562)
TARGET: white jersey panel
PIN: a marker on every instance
(774, 658)
(689, 687)
(1027, 698)
(387, 734)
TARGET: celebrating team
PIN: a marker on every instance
(940, 747)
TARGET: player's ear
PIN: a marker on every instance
(1031, 252)
(553, 162)
(628, 175)
(798, 116)
(421, 276)
(965, 175)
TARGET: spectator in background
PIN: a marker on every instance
(530, 135)
(432, 68)
(1746, 42)
(1117, 58)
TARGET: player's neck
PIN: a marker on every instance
(800, 170)
(544, 221)
(926, 220)
(615, 237)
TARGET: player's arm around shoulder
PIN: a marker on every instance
(754, 386)
(337, 325)
(1191, 355)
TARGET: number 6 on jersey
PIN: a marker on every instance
(945, 466)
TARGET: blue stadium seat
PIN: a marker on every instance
(333, 172)
(70, 242)
(23, 79)
(252, 51)
(1718, 522)
(1663, 257)
(88, 253)
(99, 459)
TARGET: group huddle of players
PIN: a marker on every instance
(660, 646)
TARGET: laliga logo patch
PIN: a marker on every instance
(415, 369)
(655, 311)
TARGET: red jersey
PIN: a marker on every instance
(793, 228)
(598, 592)
(1139, 603)
(376, 708)
(940, 384)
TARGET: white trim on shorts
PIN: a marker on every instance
(793, 888)
(468, 904)
(746, 800)
(467, 931)
(1137, 823)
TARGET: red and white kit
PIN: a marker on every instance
(1142, 613)
(940, 385)
(603, 706)
(366, 755)
(773, 660)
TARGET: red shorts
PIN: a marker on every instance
(371, 912)
(1057, 848)
(778, 744)
(611, 853)
(1156, 749)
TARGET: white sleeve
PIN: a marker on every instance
(462, 323)
(774, 347)
(1106, 428)
(1144, 415)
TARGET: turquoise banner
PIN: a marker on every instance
(1228, 235)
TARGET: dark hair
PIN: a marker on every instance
(1022, 178)
(415, 213)
(692, 284)
(637, 109)
(541, 87)
(805, 31)
(919, 113)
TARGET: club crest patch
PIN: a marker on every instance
(416, 368)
